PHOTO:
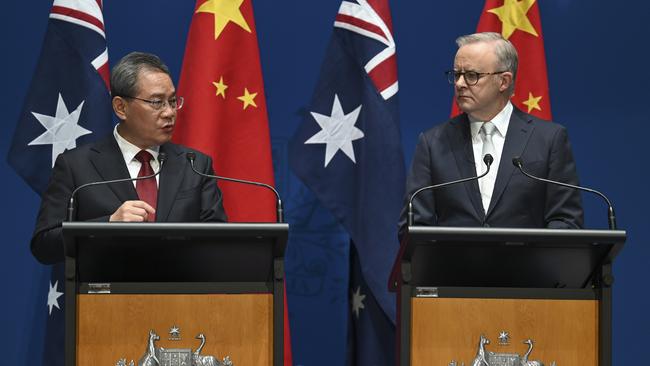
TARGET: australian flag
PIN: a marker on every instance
(348, 152)
(68, 104)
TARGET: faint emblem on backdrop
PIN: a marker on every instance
(159, 356)
(488, 358)
(317, 246)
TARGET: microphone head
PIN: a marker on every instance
(162, 157)
(190, 155)
(488, 159)
(516, 161)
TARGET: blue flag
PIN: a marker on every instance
(348, 152)
(68, 104)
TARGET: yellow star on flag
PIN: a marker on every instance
(532, 102)
(513, 16)
(248, 98)
(221, 87)
(224, 11)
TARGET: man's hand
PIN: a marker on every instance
(133, 211)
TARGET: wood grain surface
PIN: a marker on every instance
(564, 331)
(110, 327)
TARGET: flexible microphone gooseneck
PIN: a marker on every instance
(611, 218)
(161, 159)
(191, 156)
(487, 159)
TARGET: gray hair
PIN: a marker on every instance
(124, 76)
(506, 53)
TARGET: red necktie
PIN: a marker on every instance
(147, 188)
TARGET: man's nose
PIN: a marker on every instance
(460, 82)
(168, 110)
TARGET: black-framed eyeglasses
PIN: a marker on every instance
(471, 77)
(158, 104)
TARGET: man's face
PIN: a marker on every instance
(142, 124)
(486, 98)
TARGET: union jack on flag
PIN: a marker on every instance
(373, 21)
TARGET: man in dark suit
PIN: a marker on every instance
(145, 101)
(484, 74)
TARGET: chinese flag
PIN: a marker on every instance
(519, 22)
(224, 114)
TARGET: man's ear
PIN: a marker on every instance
(120, 107)
(506, 81)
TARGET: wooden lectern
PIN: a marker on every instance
(181, 280)
(462, 287)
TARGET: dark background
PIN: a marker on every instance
(599, 81)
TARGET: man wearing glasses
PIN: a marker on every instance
(484, 74)
(145, 102)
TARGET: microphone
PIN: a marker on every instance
(487, 159)
(161, 159)
(191, 156)
(611, 218)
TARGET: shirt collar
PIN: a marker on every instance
(501, 121)
(129, 150)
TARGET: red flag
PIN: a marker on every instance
(224, 114)
(520, 23)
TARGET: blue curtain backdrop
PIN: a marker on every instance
(599, 88)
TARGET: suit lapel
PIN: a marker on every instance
(171, 178)
(519, 130)
(109, 163)
(464, 155)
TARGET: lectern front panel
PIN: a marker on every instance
(450, 329)
(111, 327)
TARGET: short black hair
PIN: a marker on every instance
(124, 76)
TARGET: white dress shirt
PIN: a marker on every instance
(501, 122)
(129, 151)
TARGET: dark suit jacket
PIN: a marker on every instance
(183, 196)
(444, 153)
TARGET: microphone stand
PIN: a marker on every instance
(278, 203)
(487, 159)
(611, 218)
(161, 159)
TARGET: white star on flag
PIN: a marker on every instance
(337, 131)
(357, 301)
(52, 296)
(62, 129)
